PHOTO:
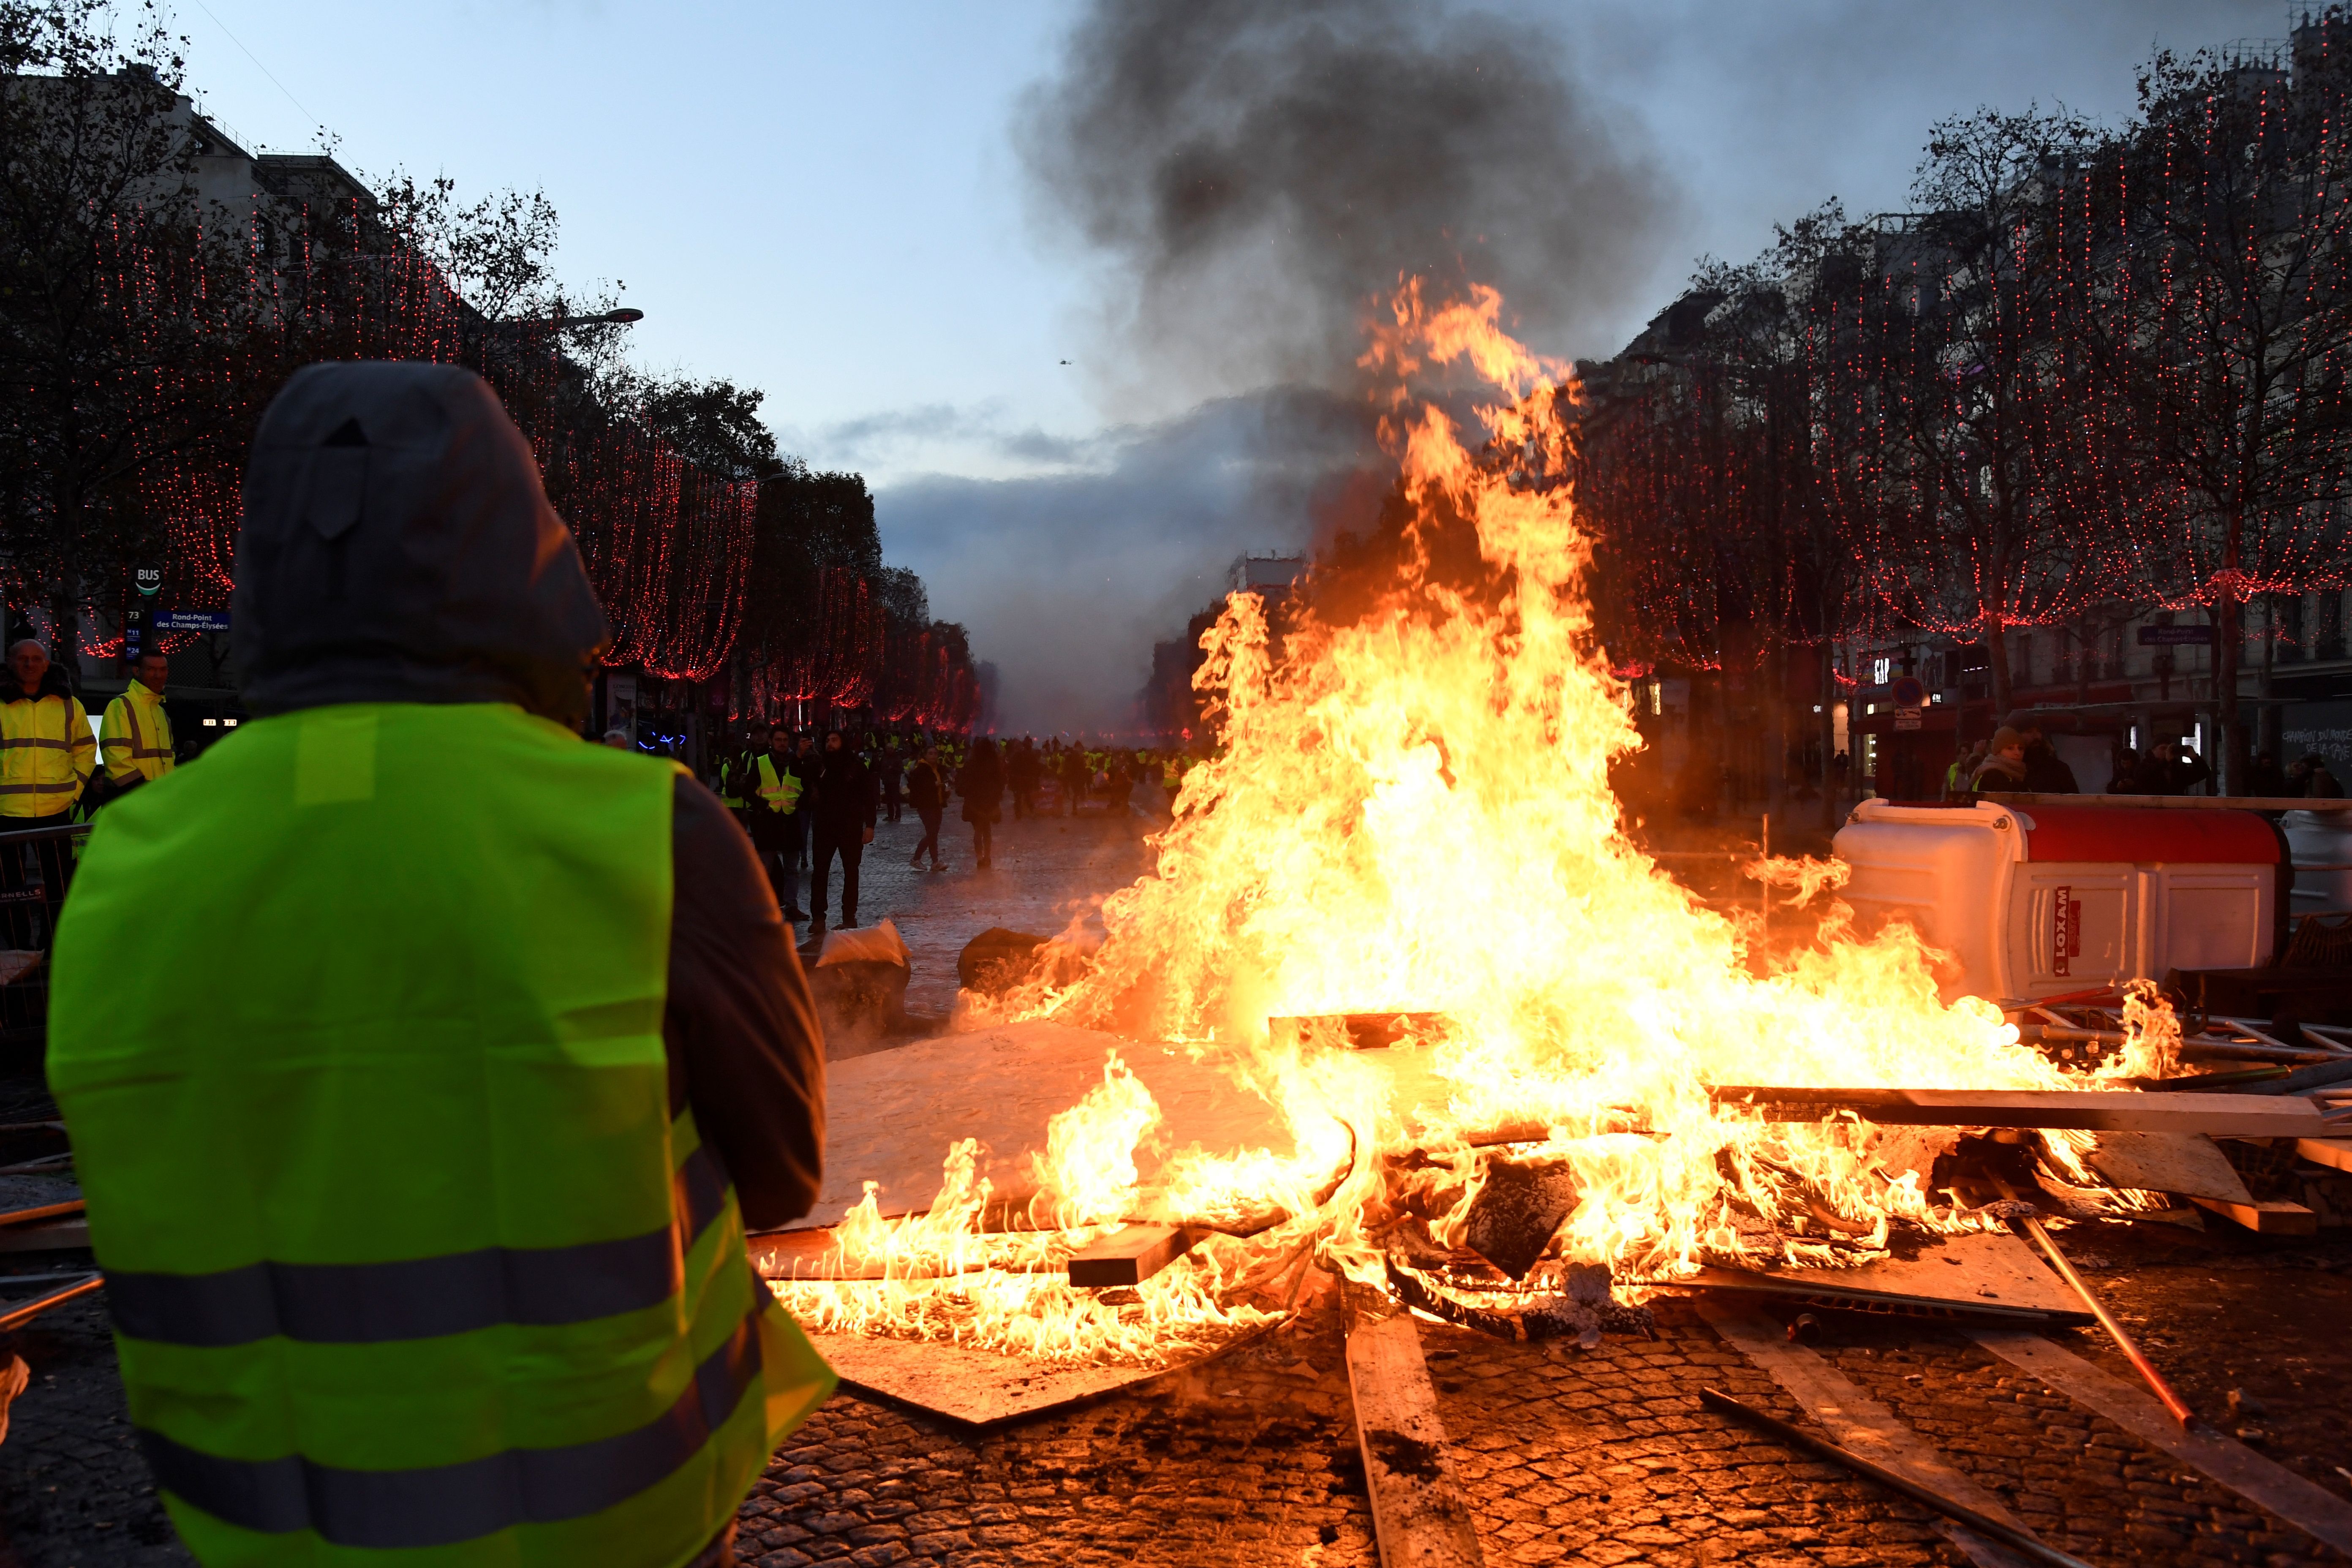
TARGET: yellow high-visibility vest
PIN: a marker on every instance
(136, 736)
(46, 754)
(780, 789)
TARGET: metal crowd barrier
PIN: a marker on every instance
(36, 867)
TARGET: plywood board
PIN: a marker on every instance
(1986, 1273)
(1418, 1512)
(982, 1388)
(891, 1116)
(2186, 1162)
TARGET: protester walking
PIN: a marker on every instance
(927, 792)
(981, 784)
(779, 781)
(135, 737)
(425, 1238)
(841, 825)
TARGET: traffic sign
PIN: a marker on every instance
(2176, 636)
(1908, 692)
(191, 621)
(148, 580)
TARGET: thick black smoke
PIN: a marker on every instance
(1261, 171)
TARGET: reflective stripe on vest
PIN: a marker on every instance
(44, 742)
(418, 1297)
(409, 1250)
(450, 1504)
(127, 743)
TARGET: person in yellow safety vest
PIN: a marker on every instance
(46, 757)
(47, 752)
(424, 1242)
(778, 826)
(135, 736)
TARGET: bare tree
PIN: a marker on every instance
(2224, 332)
(1963, 491)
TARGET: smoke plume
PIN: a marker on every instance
(1260, 174)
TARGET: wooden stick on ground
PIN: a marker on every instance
(1983, 1524)
(2123, 1342)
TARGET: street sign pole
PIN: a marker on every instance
(137, 608)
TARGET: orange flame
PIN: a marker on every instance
(1411, 811)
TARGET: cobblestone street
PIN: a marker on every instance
(1565, 1455)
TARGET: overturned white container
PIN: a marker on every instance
(2050, 899)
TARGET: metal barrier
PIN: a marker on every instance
(36, 869)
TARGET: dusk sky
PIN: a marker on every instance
(865, 212)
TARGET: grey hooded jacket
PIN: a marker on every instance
(397, 547)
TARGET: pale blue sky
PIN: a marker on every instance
(825, 201)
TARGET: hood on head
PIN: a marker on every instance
(397, 547)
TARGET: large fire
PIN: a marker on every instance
(1411, 813)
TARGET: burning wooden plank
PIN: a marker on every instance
(1418, 1513)
(2096, 1110)
(1130, 1256)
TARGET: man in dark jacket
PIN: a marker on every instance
(508, 1077)
(842, 823)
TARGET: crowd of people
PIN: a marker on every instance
(2018, 757)
(811, 798)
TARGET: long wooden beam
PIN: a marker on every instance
(2319, 1513)
(1863, 1425)
(1419, 1517)
(2094, 1110)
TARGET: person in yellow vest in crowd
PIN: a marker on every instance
(778, 823)
(47, 757)
(135, 736)
(425, 1241)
